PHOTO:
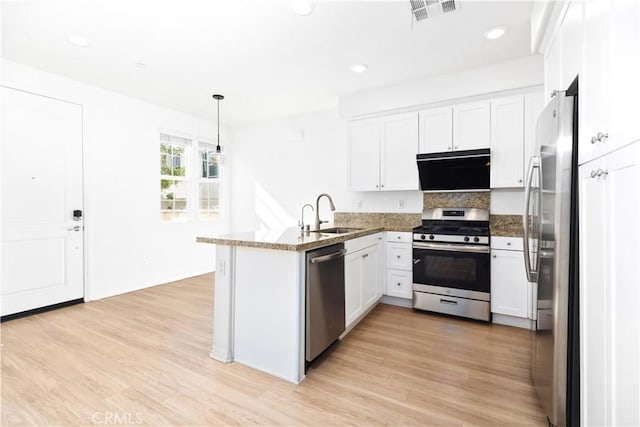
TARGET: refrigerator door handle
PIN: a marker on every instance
(534, 164)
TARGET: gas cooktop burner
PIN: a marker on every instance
(454, 225)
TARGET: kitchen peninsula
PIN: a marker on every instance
(259, 308)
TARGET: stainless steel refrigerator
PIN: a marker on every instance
(551, 258)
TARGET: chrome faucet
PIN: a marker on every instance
(316, 225)
(301, 222)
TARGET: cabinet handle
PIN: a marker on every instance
(555, 93)
(602, 137)
(399, 237)
(399, 284)
(381, 185)
(520, 181)
(598, 173)
(495, 256)
(377, 186)
(398, 256)
(455, 147)
(594, 139)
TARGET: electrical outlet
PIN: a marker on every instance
(359, 204)
(400, 204)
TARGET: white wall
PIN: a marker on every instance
(121, 187)
(279, 165)
(495, 78)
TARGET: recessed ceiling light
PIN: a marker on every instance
(141, 65)
(77, 40)
(495, 33)
(359, 68)
(302, 7)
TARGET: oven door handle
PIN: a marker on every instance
(453, 248)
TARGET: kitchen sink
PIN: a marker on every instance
(338, 230)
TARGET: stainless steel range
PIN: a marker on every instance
(451, 263)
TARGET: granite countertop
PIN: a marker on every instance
(291, 239)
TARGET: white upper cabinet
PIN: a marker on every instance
(571, 42)
(534, 103)
(382, 153)
(471, 125)
(624, 93)
(553, 68)
(594, 84)
(436, 130)
(507, 142)
(398, 170)
(364, 155)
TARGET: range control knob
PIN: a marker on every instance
(476, 239)
(466, 238)
(431, 237)
(423, 237)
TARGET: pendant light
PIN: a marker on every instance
(218, 155)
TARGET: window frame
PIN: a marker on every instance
(187, 144)
(193, 164)
(204, 143)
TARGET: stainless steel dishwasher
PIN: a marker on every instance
(324, 298)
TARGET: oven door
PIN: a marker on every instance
(452, 269)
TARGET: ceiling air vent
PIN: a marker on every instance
(423, 9)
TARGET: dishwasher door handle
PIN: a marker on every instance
(329, 257)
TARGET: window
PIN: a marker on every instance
(174, 178)
(209, 185)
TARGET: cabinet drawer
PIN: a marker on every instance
(507, 243)
(400, 237)
(399, 256)
(359, 243)
(399, 283)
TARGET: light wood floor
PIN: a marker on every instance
(142, 358)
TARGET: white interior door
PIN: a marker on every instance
(42, 244)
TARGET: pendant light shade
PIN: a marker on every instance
(218, 155)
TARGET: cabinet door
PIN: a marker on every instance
(436, 130)
(509, 284)
(507, 142)
(621, 179)
(370, 276)
(553, 68)
(364, 155)
(471, 126)
(353, 287)
(594, 83)
(398, 170)
(533, 106)
(625, 72)
(593, 298)
(571, 29)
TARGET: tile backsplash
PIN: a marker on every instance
(476, 199)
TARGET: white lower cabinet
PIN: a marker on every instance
(399, 265)
(362, 278)
(513, 298)
(609, 291)
(509, 286)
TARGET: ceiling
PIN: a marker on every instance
(266, 60)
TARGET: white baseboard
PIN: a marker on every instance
(400, 302)
(517, 322)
